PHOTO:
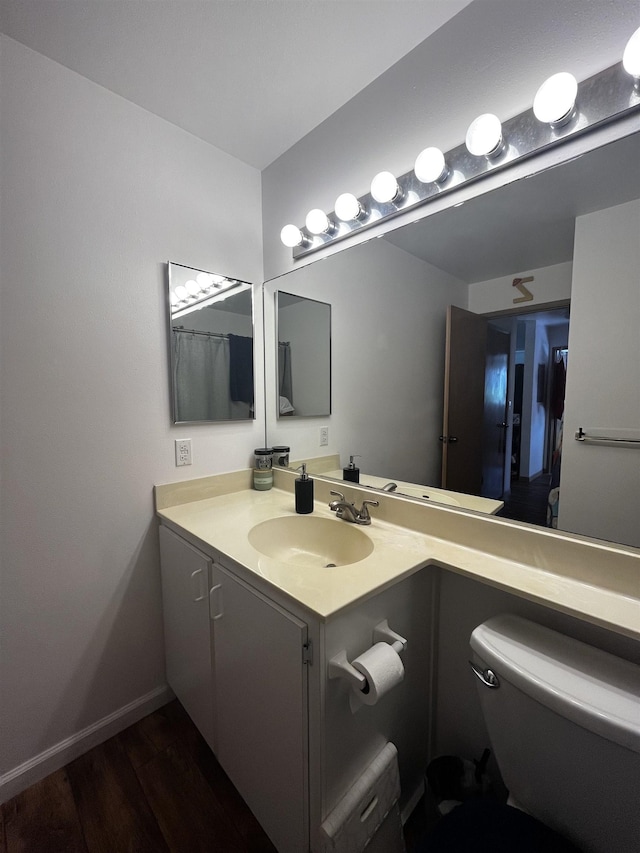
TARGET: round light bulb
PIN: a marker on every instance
(631, 55)
(484, 136)
(193, 288)
(317, 221)
(555, 100)
(218, 279)
(173, 299)
(347, 207)
(204, 279)
(181, 292)
(430, 166)
(291, 236)
(385, 188)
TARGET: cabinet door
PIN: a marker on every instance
(187, 628)
(261, 708)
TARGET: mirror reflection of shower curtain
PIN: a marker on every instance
(284, 370)
(201, 377)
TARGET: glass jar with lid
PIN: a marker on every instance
(281, 456)
(262, 470)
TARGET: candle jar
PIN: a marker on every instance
(262, 470)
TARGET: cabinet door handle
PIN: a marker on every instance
(212, 607)
(199, 592)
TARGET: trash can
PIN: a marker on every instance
(368, 815)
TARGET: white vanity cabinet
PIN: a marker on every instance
(235, 659)
(186, 581)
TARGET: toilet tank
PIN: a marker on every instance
(564, 724)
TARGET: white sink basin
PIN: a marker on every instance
(430, 494)
(311, 542)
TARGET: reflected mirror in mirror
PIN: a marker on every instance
(304, 356)
(573, 228)
(210, 345)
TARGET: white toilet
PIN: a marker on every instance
(564, 722)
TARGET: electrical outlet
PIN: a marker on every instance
(183, 451)
(324, 436)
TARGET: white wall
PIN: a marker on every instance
(599, 486)
(551, 284)
(491, 57)
(97, 195)
(533, 412)
(388, 313)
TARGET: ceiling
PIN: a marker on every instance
(529, 223)
(251, 77)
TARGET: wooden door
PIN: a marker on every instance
(464, 372)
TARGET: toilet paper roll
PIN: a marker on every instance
(383, 669)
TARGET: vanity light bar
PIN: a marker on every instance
(608, 96)
(233, 289)
(199, 292)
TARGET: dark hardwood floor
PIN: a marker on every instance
(528, 500)
(154, 788)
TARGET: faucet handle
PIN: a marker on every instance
(337, 494)
(364, 512)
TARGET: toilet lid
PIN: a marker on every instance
(595, 689)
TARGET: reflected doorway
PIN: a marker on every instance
(504, 402)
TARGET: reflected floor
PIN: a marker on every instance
(528, 501)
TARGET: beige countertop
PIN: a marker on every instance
(595, 581)
(415, 490)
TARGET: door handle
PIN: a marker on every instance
(199, 594)
(217, 607)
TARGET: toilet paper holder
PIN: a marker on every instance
(339, 666)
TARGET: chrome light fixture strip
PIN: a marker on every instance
(603, 98)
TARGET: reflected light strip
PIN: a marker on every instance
(218, 297)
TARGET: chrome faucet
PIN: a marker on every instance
(344, 509)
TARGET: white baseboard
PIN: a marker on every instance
(67, 750)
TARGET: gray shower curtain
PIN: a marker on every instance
(201, 378)
(284, 371)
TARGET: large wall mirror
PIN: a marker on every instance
(303, 356)
(572, 229)
(211, 346)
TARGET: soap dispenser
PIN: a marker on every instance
(304, 491)
(350, 472)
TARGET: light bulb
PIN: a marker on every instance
(430, 166)
(631, 56)
(204, 279)
(385, 188)
(347, 207)
(218, 280)
(291, 236)
(193, 288)
(484, 136)
(555, 100)
(173, 299)
(317, 221)
(181, 292)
